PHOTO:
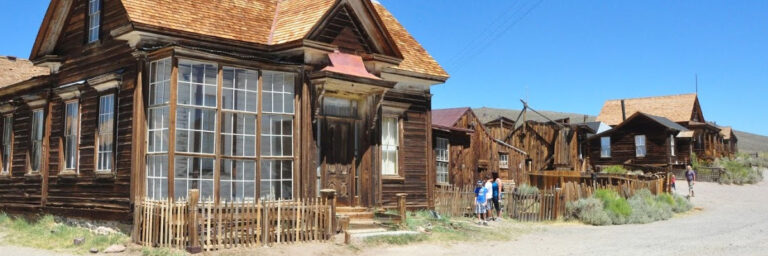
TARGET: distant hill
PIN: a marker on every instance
(748, 142)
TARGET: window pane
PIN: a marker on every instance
(197, 172)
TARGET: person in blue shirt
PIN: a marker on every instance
(497, 188)
(481, 203)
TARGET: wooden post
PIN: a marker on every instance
(401, 207)
(194, 242)
(330, 196)
(344, 222)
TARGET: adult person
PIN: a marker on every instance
(489, 197)
(496, 199)
(481, 203)
(690, 176)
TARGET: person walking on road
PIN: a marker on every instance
(690, 176)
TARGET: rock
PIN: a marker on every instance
(79, 240)
(116, 248)
(421, 229)
(104, 231)
(93, 250)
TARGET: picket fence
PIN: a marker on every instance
(212, 226)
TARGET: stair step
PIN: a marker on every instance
(382, 233)
(366, 231)
(358, 215)
(351, 209)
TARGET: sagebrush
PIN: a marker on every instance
(606, 207)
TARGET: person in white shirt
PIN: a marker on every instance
(488, 195)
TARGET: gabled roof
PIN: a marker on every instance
(261, 22)
(678, 108)
(447, 118)
(669, 124)
(13, 70)
(727, 132)
(500, 120)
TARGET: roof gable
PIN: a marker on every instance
(678, 108)
(662, 121)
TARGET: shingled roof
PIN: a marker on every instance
(268, 22)
(13, 70)
(447, 118)
(678, 108)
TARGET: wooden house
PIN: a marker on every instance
(465, 151)
(643, 141)
(730, 142)
(239, 99)
(683, 109)
(500, 127)
(554, 145)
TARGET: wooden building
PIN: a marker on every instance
(239, 99)
(683, 109)
(465, 152)
(554, 145)
(500, 127)
(643, 141)
(730, 142)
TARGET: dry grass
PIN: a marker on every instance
(46, 233)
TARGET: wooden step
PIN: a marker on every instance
(346, 209)
(357, 215)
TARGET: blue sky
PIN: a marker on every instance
(570, 55)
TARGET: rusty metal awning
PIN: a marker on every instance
(348, 64)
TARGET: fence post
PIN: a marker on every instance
(401, 207)
(330, 195)
(194, 242)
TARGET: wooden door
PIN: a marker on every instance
(338, 154)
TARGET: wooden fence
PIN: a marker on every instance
(703, 174)
(213, 226)
(546, 205)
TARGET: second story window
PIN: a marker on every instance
(94, 20)
(503, 160)
(36, 155)
(71, 131)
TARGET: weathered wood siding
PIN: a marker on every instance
(548, 145)
(623, 145)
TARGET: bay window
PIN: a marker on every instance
(242, 138)
(105, 136)
(442, 157)
(389, 146)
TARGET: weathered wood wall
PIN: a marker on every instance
(548, 145)
(623, 145)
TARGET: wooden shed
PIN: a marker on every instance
(148, 99)
(643, 141)
(554, 145)
(465, 151)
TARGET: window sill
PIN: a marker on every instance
(393, 179)
(5, 177)
(104, 175)
(33, 176)
(67, 174)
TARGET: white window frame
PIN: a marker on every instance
(237, 184)
(672, 144)
(390, 124)
(442, 159)
(235, 157)
(105, 154)
(7, 146)
(605, 147)
(641, 148)
(74, 133)
(158, 129)
(94, 20)
(503, 160)
(273, 89)
(190, 108)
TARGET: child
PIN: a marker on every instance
(481, 203)
(672, 182)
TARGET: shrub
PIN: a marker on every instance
(617, 208)
(681, 204)
(589, 210)
(646, 208)
(739, 171)
(614, 169)
(527, 189)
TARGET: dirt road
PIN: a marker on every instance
(728, 220)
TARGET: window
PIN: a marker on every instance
(442, 156)
(94, 20)
(503, 160)
(193, 173)
(339, 107)
(105, 133)
(389, 145)
(640, 146)
(277, 136)
(71, 132)
(238, 135)
(196, 112)
(37, 140)
(605, 147)
(672, 144)
(157, 130)
(7, 146)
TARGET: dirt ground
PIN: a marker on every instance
(727, 220)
